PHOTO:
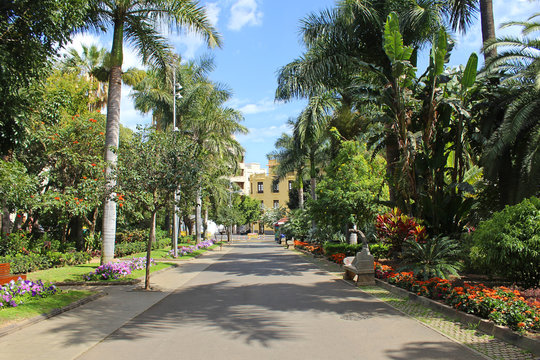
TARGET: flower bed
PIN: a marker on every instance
(314, 249)
(117, 270)
(186, 250)
(18, 292)
(338, 258)
(501, 305)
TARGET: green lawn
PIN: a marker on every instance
(37, 307)
(164, 253)
(75, 273)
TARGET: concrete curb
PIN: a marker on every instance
(486, 326)
(15, 327)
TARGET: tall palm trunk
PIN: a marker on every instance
(300, 193)
(312, 176)
(488, 25)
(111, 143)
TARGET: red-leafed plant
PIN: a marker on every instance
(394, 228)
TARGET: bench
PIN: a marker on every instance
(253, 236)
(5, 275)
(359, 267)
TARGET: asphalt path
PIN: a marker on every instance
(258, 301)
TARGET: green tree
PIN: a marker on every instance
(352, 189)
(511, 156)
(72, 175)
(17, 187)
(89, 64)
(250, 209)
(151, 167)
(31, 33)
(136, 21)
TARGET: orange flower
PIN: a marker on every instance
(120, 204)
(75, 142)
(93, 164)
(101, 133)
(84, 177)
(57, 198)
(521, 324)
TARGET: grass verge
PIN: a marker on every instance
(76, 272)
(40, 306)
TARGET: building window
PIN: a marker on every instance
(260, 187)
(290, 185)
(275, 186)
(276, 204)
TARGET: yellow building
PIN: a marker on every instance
(268, 190)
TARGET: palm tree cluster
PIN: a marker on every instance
(448, 135)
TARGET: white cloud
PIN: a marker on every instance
(212, 12)
(248, 107)
(130, 117)
(187, 44)
(264, 134)
(244, 12)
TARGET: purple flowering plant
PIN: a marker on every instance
(18, 292)
(117, 270)
(185, 250)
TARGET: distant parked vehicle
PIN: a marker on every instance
(243, 230)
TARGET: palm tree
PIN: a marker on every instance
(88, 63)
(291, 157)
(339, 41)
(135, 21)
(310, 131)
(461, 13)
(517, 139)
(202, 119)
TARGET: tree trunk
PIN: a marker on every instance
(6, 222)
(151, 239)
(312, 176)
(488, 25)
(76, 232)
(205, 223)
(392, 159)
(198, 216)
(111, 143)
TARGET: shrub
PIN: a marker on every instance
(14, 243)
(436, 257)
(508, 244)
(394, 228)
(128, 248)
(378, 250)
(130, 236)
(21, 264)
(70, 258)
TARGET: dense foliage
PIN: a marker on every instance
(508, 244)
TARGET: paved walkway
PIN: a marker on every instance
(253, 300)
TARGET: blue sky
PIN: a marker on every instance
(260, 36)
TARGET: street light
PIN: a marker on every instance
(176, 95)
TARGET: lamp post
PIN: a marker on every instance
(176, 87)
